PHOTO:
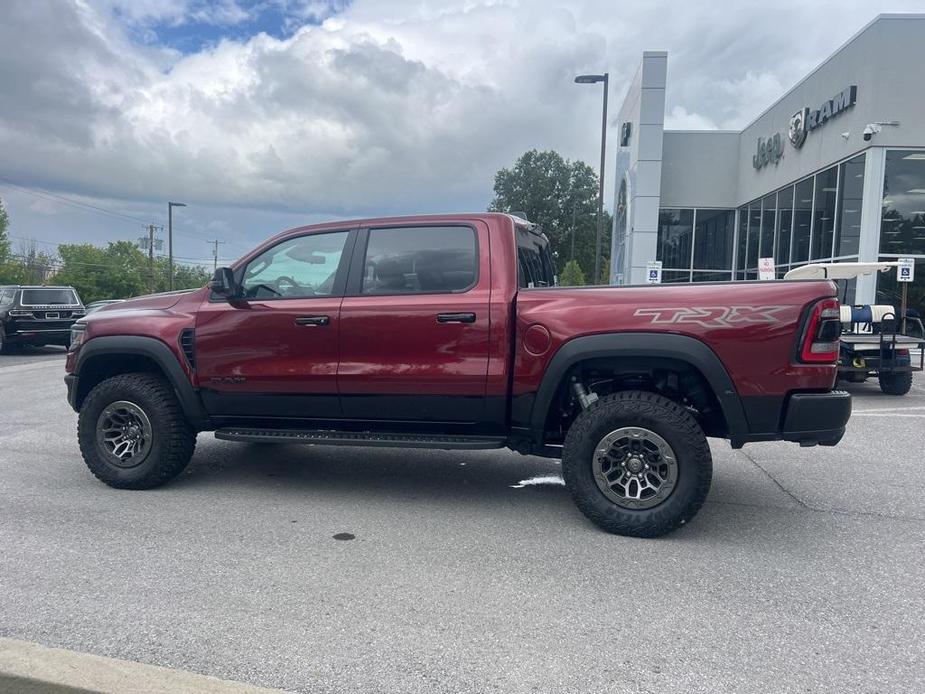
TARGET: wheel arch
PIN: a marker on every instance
(106, 356)
(640, 347)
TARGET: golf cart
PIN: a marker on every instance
(874, 342)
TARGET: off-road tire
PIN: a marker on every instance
(173, 439)
(896, 383)
(671, 422)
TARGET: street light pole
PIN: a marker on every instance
(170, 206)
(593, 79)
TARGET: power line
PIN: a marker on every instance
(48, 195)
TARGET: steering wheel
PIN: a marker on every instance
(292, 284)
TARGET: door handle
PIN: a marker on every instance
(456, 318)
(312, 320)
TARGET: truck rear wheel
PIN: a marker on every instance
(637, 464)
(132, 432)
(896, 383)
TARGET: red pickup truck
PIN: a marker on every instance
(448, 332)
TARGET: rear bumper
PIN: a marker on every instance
(816, 418)
(39, 336)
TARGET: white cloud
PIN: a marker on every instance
(679, 118)
(385, 106)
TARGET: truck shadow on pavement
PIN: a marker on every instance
(362, 471)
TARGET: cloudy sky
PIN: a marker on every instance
(267, 114)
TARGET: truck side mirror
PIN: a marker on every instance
(223, 283)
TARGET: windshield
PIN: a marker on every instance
(49, 297)
(534, 261)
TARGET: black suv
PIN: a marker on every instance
(37, 315)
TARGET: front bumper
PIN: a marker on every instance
(816, 418)
(70, 380)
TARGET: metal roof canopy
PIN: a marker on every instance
(837, 271)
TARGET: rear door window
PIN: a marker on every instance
(534, 261)
(420, 260)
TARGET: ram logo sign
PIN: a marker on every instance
(712, 316)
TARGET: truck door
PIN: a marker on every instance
(274, 352)
(414, 324)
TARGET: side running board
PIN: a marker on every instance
(363, 438)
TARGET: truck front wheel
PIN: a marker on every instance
(637, 464)
(132, 432)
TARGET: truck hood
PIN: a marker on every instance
(161, 301)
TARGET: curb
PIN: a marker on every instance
(30, 668)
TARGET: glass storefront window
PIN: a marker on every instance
(768, 220)
(802, 220)
(889, 291)
(824, 213)
(713, 238)
(850, 197)
(902, 229)
(712, 276)
(784, 220)
(675, 232)
(741, 242)
(674, 276)
(754, 229)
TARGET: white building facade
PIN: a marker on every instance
(834, 170)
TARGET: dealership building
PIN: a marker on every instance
(834, 170)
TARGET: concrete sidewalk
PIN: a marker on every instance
(30, 668)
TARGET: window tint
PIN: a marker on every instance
(675, 231)
(48, 297)
(824, 214)
(902, 229)
(850, 198)
(534, 261)
(296, 269)
(713, 238)
(419, 260)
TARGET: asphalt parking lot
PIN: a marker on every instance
(803, 572)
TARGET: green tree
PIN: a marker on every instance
(11, 272)
(4, 239)
(559, 195)
(572, 275)
(118, 271)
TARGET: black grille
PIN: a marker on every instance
(188, 345)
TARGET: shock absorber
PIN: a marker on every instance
(585, 397)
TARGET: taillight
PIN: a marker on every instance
(821, 339)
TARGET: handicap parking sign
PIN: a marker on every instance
(906, 270)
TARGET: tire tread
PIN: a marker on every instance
(178, 437)
(661, 519)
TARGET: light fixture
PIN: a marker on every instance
(917, 191)
(915, 156)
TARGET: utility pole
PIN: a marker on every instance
(151, 229)
(605, 79)
(170, 206)
(215, 244)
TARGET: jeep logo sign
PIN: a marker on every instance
(806, 120)
(769, 151)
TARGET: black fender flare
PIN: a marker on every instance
(160, 354)
(662, 345)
